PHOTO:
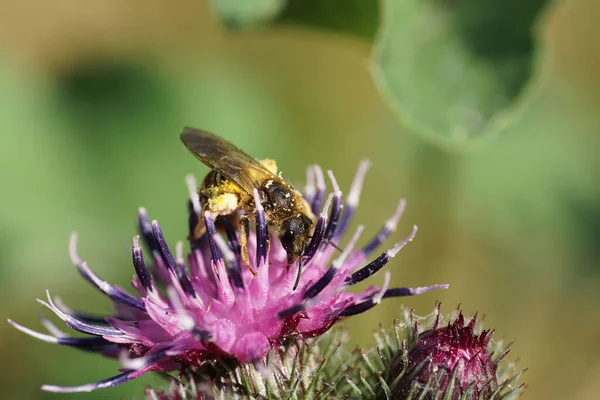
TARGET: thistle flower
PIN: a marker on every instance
(458, 361)
(215, 312)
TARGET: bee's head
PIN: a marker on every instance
(294, 235)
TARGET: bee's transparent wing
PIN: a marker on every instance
(223, 157)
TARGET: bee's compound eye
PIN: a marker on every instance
(289, 230)
(293, 234)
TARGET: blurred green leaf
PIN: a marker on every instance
(247, 13)
(354, 17)
(94, 91)
(456, 70)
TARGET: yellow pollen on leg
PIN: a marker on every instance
(223, 204)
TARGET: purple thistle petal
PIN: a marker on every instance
(184, 318)
(377, 297)
(235, 263)
(88, 343)
(160, 270)
(193, 193)
(224, 290)
(182, 276)
(145, 229)
(316, 240)
(293, 310)
(400, 292)
(106, 383)
(85, 317)
(387, 230)
(358, 308)
(371, 301)
(353, 197)
(111, 291)
(175, 284)
(320, 192)
(163, 248)
(380, 261)
(140, 363)
(50, 327)
(193, 220)
(169, 260)
(396, 292)
(194, 209)
(318, 234)
(79, 326)
(139, 265)
(228, 255)
(211, 233)
(318, 287)
(203, 276)
(336, 210)
(261, 231)
(259, 288)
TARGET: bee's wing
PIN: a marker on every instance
(226, 159)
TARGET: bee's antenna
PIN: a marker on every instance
(335, 246)
(328, 241)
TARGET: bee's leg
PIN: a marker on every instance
(223, 204)
(196, 225)
(244, 234)
(198, 230)
(268, 243)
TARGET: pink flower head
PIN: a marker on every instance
(186, 316)
(451, 362)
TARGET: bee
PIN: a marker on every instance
(229, 188)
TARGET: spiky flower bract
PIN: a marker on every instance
(421, 359)
(417, 359)
(309, 369)
(215, 311)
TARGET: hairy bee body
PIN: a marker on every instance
(230, 186)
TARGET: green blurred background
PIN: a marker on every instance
(93, 96)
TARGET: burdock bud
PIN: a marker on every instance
(451, 362)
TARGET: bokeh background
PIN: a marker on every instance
(93, 96)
